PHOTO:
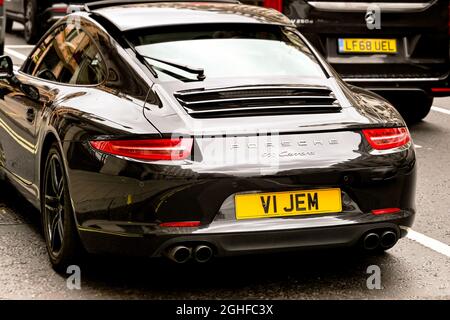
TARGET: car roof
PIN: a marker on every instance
(138, 15)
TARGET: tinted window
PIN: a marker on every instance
(68, 55)
(228, 51)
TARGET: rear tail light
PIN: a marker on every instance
(151, 149)
(274, 4)
(387, 138)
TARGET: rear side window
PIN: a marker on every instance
(68, 55)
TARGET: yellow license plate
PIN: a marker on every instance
(289, 203)
(367, 45)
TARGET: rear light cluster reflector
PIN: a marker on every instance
(180, 224)
(385, 211)
(440, 89)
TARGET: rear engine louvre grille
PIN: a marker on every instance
(258, 101)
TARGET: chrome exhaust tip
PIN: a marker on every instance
(179, 254)
(371, 241)
(203, 253)
(388, 239)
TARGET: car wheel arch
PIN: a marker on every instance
(50, 139)
(51, 145)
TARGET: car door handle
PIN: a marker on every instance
(31, 115)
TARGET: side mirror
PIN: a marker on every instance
(7, 73)
(6, 67)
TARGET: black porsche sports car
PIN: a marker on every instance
(194, 130)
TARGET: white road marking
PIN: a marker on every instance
(441, 110)
(20, 46)
(16, 54)
(417, 146)
(428, 242)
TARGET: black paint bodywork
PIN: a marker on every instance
(119, 203)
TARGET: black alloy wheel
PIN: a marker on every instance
(61, 237)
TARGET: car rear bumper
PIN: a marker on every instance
(231, 243)
(430, 86)
(124, 206)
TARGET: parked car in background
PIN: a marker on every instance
(36, 16)
(2, 27)
(398, 49)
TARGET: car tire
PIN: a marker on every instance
(31, 26)
(60, 232)
(415, 110)
(8, 25)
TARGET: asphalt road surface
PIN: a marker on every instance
(417, 267)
